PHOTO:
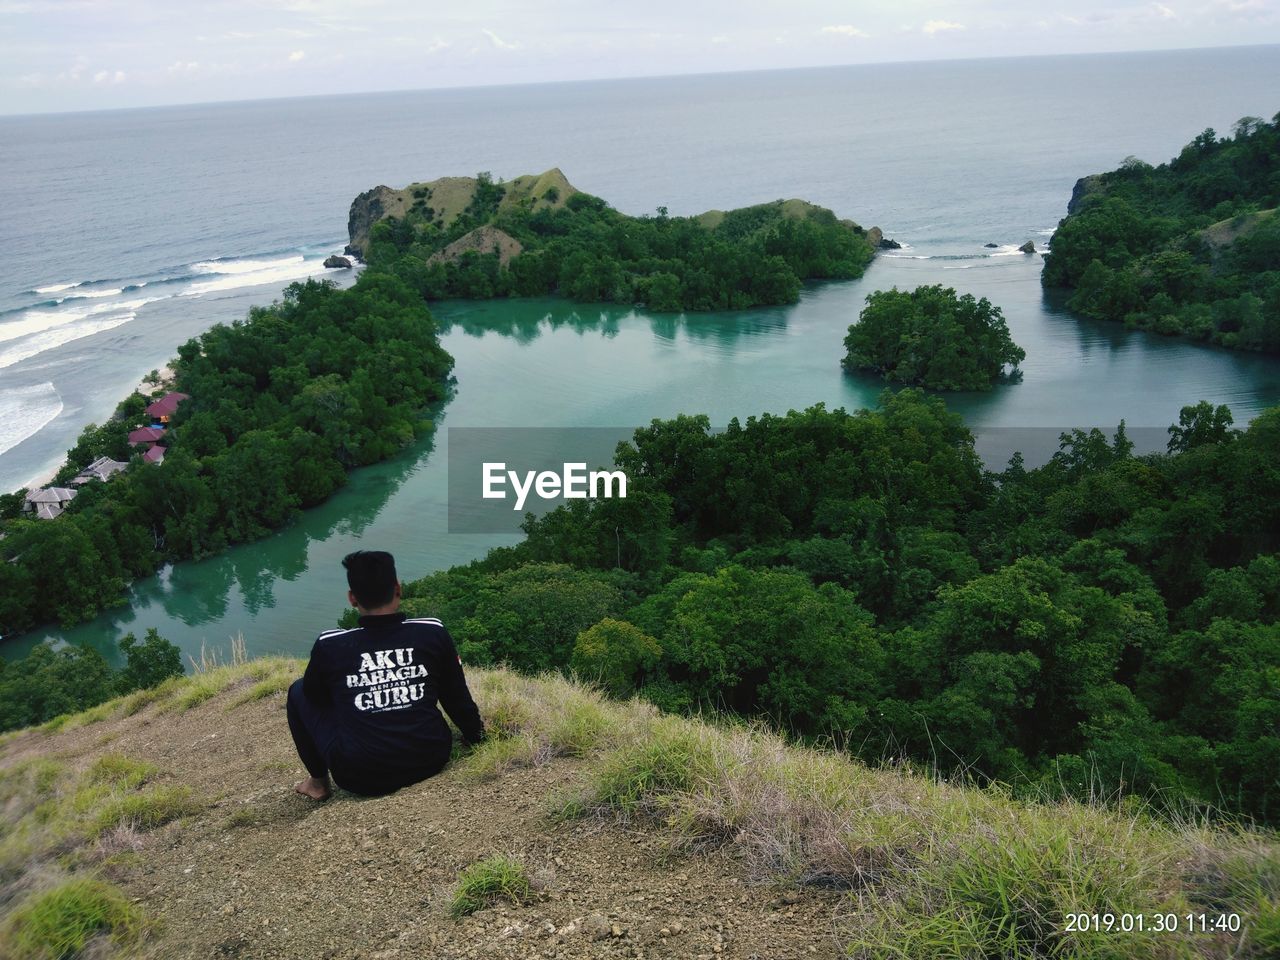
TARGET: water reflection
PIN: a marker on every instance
(243, 582)
(525, 321)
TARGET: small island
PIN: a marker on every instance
(931, 337)
(1189, 248)
(476, 238)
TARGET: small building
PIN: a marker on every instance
(146, 435)
(104, 468)
(154, 455)
(48, 502)
(163, 409)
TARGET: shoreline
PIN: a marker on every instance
(144, 386)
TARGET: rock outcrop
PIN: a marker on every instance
(366, 210)
(1028, 247)
(879, 241)
(337, 262)
(1084, 187)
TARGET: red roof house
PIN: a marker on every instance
(164, 408)
(154, 455)
(147, 435)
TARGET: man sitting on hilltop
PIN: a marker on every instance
(365, 710)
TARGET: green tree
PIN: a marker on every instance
(932, 337)
(617, 655)
(49, 682)
(148, 663)
(1203, 423)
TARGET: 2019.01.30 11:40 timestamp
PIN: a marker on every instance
(1152, 922)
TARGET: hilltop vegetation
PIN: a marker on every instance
(1105, 623)
(583, 828)
(281, 406)
(539, 236)
(1191, 247)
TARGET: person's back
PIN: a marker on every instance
(366, 710)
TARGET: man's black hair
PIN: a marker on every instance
(371, 575)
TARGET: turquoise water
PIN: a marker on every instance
(945, 157)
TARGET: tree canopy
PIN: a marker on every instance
(1190, 248)
(53, 680)
(931, 337)
(1103, 623)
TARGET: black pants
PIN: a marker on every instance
(316, 737)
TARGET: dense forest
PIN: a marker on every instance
(55, 681)
(585, 250)
(932, 337)
(1104, 623)
(1191, 247)
(281, 405)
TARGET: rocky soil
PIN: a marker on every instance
(264, 873)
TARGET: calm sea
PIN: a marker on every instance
(131, 231)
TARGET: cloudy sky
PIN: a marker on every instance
(96, 54)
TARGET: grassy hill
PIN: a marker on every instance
(163, 825)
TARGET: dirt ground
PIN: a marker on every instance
(264, 873)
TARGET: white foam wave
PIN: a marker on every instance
(1047, 233)
(233, 266)
(25, 411)
(1006, 250)
(38, 321)
(60, 335)
(55, 287)
(93, 294)
(905, 256)
(251, 273)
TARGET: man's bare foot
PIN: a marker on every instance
(317, 788)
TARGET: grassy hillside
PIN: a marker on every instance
(162, 825)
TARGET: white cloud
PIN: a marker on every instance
(297, 55)
(104, 77)
(436, 45)
(498, 42)
(1162, 12)
(1243, 8)
(179, 67)
(721, 39)
(845, 30)
(932, 27)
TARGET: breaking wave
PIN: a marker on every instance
(25, 411)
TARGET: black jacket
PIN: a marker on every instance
(380, 683)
